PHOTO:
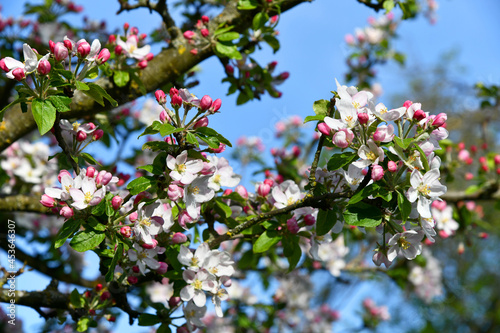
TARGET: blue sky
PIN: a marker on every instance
(313, 50)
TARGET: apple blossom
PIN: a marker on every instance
(424, 189)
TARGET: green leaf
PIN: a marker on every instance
(404, 206)
(61, 103)
(225, 208)
(152, 129)
(83, 324)
(151, 169)
(86, 240)
(213, 133)
(68, 229)
(44, 113)
(314, 118)
(259, 20)
(76, 299)
(98, 93)
(140, 184)
(228, 50)
(89, 159)
(191, 138)
(338, 161)
(99, 209)
(247, 4)
(121, 78)
(423, 158)
(365, 192)
(223, 30)
(94, 224)
(19, 100)
(388, 5)
(321, 107)
(147, 319)
(363, 215)
(211, 141)
(242, 98)
(325, 221)
(272, 41)
(291, 250)
(403, 143)
(164, 328)
(81, 86)
(266, 240)
(114, 261)
(228, 36)
(167, 129)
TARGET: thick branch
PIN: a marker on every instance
(22, 203)
(164, 68)
(36, 299)
(485, 194)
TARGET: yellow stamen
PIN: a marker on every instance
(424, 189)
(371, 156)
(403, 243)
(88, 197)
(197, 284)
(75, 126)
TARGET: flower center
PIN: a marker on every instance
(356, 104)
(290, 201)
(75, 126)
(214, 270)
(146, 222)
(403, 243)
(194, 261)
(181, 168)
(142, 255)
(217, 179)
(384, 110)
(424, 189)
(371, 156)
(88, 197)
(197, 284)
(195, 190)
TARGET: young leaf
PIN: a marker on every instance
(44, 113)
(81, 86)
(68, 229)
(325, 221)
(321, 107)
(363, 215)
(140, 184)
(61, 103)
(338, 161)
(265, 241)
(228, 50)
(259, 20)
(228, 36)
(114, 261)
(121, 78)
(404, 206)
(76, 299)
(86, 240)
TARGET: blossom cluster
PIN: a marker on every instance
(131, 46)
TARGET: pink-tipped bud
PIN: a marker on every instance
(163, 268)
(363, 117)
(19, 74)
(175, 192)
(164, 117)
(90, 172)
(407, 104)
(484, 146)
(419, 115)
(118, 50)
(103, 56)
(219, 150)
(284, 76)
(111, 39)
(440, 120)
(126, 231)
(83, 49)
(173, 302)
(204, 32)
(485, 168)
(378, 135)
(273, 19)
(473, 149)
(216, 105)
(482, 160)
(229, 69)
(176, 101)
(98, 287)
(173, 91)
(461, 248)
(205, 19)
(67, 43)
(3, 65)
(132, 279)
(309, 220)
(134, 31)
(469, 176)
(296, 151)
(43, 67)
(105, 295)
(116, 202)
(179, 238)
(325, 129)
(154, 244)
(81, 136)
(47, 201)
(51, 46)
(143, 36)
(377, 172)
(60, 51)
(161, 98)
(66, 212)
(392, 166)
(483, 235)
(188, 34)
(263, 189)
(205, 103)
(496, 159)
(97, 134)
(242, 191)
(149, 56)
(292, 226)
(142, 64)
(63, 173)
(203, 122)
(126, 26)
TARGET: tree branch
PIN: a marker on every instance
(22, 203)
(164, 68)
(376, 6)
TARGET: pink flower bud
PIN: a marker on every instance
(325, 129)
(263, 189)
(309, 220)
(111, 39)
(43, 67)
(242, 191)
(81, 136)
(349, 39)
(189, 34)
(126, 231)
(90, 172)
(51, 46)
(485, 168)
(284, 76)
(160, 97)
(126, 26)
(216, 105)
(19, 74)
(205, 103)
(482, 160)
(363, 117)
(496, 159)
(132, 279)
(173, 91)
(343, 138)
(175, 192)
(419, 115)
(149, 56)
(60, 51)
(47, 201)
(204, 32)
(229, 69)
(184, 219)
(296, 151)
(143, 36)
(63, 173)
(83, 49)
(3, 65)
(164, 116)
(377, 172)
(142, 64)
(484, 146)
(203, 122)
(392, 166)
(66, 212)
(463, 155)
(205, 19)
(134, 31)
(440, 120)
(163, 268)
(150, 246)
(473, 149)
(292, 226)
(273, 19)
(179, 238)
(378, 136)
(97, 134)
(469, 176)
(173, 302)
(407, 104)
(116, 202)
(103, 56)
(67, 43)
(176, 101)
(118, 50)
(105, 295)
